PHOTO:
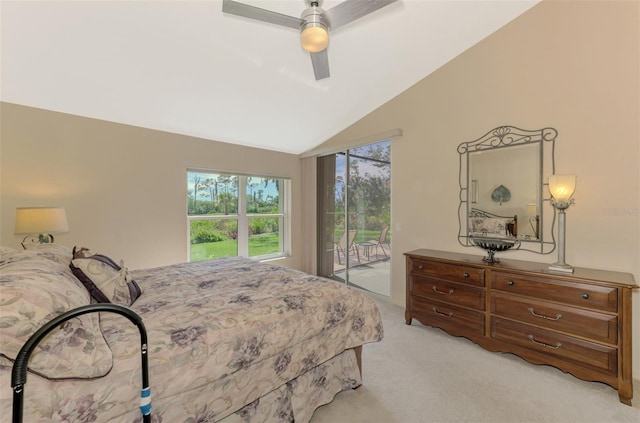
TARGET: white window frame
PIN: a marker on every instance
(243, 217)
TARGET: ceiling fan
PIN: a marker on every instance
(314, 23)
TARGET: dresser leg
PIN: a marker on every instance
(407, 317)
(625, 400)
(625, 393)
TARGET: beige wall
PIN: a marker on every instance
(571, 65)
(123, 187)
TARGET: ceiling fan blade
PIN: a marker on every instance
(320, 62)
(350, 10)
(252, 12)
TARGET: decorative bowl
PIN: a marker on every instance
(491, 245)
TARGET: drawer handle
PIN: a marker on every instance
(532, 339)
(441, 292)
(435, 310)
(585, 296)
(510, 282)
(542, 316)
(465, 274)
(420, 267)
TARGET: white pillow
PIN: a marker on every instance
(106, 281)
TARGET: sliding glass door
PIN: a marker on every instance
(354, 198)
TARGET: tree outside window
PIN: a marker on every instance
(235, 215)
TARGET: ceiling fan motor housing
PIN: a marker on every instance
(314, 32)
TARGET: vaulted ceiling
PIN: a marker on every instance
(185, 67)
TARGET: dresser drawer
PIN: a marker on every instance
(451, 272)
(566, 348)
(449, 292)
(571, 293)
(455, 320)
(583, 323)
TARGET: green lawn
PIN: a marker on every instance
(364, 235)
(259, 245)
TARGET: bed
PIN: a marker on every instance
(231, 340)
(484, 223)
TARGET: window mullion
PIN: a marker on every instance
(243, 221)
(282, 205)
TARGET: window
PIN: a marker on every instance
(236, 215)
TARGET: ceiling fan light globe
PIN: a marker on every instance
(314, 39)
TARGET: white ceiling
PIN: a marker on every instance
(184, 67)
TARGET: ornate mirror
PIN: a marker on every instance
(504, 193)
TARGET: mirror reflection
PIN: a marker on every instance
(509, 189)
(502, 181)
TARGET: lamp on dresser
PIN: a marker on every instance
(40, 223)
(561, 188)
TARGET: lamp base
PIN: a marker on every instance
(41, 239)
(561, 267)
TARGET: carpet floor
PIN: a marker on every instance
(420, 374)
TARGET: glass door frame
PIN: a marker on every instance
(328, 186)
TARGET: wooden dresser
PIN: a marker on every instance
(578, 322)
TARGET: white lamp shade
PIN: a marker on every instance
(41, 220)
(562, 187)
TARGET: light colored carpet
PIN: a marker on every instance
(421, 374)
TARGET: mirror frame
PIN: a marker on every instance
(508, 136)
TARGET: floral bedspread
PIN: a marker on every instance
(222, 335)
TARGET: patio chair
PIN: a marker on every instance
(381, 241)
(347, 246)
